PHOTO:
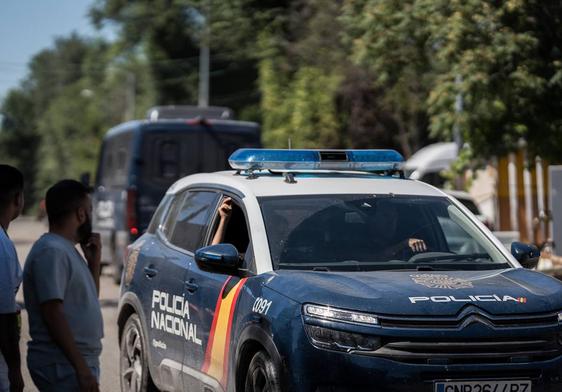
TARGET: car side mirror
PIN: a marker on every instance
(526, 254)
(222, 258)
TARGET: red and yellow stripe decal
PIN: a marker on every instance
(216, 355)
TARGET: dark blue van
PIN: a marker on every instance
(139, 161)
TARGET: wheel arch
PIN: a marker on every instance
(252, 340)
(128, 305)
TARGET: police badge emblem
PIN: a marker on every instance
(439, 281)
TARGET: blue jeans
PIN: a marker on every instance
(58, 377)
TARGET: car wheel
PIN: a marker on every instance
(116, 265)
(133, 358)
(262, 375)
(117, 271)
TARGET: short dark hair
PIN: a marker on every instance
(11, 183)
(64, 198)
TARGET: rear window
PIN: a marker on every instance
(170, 154)
(115, 161)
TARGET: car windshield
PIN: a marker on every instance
(374, 232)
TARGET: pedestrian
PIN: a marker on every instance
(11, 206)
(61, 292)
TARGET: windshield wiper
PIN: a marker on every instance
(465, 257)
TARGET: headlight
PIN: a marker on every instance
(328, 313)
(559, 317)
(341, 341)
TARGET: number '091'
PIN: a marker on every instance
(261, 305)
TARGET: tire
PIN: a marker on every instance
(117, 266)
(117, 271)
(133, 360)
(262, 375)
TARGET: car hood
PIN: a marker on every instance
(498, 292)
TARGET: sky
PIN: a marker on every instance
(28, 26)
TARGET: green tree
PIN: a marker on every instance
(169, 33)
(503, 59)
(55, 120)
(389, 38)
(19, 139)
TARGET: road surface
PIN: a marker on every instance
(24, 231)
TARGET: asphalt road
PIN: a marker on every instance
(24, 231)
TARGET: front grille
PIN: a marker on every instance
(469, 351)
(468, 317)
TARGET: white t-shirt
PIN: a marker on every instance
(10, 281)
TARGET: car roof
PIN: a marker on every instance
(136, 125)
(318, 183)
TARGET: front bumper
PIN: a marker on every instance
(323, 371)
(309, 368)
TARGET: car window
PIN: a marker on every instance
(362, 232)
(156, 221)
(188, 225)
(236, 230)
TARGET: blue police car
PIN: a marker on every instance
(307, 270)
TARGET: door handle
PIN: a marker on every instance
(150, 271)
(191, 286)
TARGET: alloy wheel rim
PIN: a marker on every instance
(259, 380)
(131, 361)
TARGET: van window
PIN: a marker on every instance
(168, 159)
(217, 146)
(192, 220)
(168, 156)
(115, 161)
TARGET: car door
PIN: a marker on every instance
(185, 234)
(162, 292)
(214, 304)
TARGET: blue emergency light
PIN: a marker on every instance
(303, 160)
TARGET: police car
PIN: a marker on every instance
(307, 270)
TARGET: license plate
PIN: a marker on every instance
(483, 386)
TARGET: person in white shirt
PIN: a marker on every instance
(11, 206)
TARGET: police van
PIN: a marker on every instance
(307, 270)
(139, 161)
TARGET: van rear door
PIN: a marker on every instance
(109, 199)
(172, 150)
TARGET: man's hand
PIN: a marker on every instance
(92, 249)
(225, 210)
(417, 245)
(87, 381)
(16, 380)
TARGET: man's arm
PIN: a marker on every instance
(55, 320)
(9, 346)
(224, 211)
(92, 253)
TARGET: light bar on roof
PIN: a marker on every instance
(287, 160)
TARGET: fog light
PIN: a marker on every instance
(341, 341)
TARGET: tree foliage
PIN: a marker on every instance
(343, 73)
(502, 58)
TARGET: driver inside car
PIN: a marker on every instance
(383, 230)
